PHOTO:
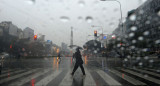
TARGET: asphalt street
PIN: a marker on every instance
(55, 72)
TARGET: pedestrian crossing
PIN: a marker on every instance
(132, 76)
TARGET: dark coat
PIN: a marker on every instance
(78, 57)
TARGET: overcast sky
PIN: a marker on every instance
(54, 18)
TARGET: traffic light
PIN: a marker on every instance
(35, 37)
(95, 33)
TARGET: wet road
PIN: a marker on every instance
(53, 72)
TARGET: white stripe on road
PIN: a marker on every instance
(154, 70)
(148, 72)
(7, 70)
(142, 76)
(29, 78)
(17, 76)
(127, 78)
(13, 72)
(47, 79)
(108, 79)
(88, 81)
(67, 80)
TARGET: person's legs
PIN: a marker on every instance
(75, 68)
(81, 66)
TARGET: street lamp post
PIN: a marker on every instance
(120, 11)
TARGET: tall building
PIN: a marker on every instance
(28, 33)
(20, 34)
(146, 23)
(9, 28)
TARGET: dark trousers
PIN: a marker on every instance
(75, 68)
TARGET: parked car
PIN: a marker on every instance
(3, 57)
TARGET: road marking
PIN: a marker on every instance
(29, 78)
(17, 76)
(144, 71)
(7, 70)
(108, 79)
(127, 78)
(11, 73)
(47, 79)
(154, 70)
(88, 80)
(67, 80)
(142, 76)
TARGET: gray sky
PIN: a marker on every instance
(54, 18)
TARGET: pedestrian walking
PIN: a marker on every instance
(59, 57)
(79, 62)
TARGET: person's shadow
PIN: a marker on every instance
(78, 81)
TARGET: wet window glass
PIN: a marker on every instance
(79, 42)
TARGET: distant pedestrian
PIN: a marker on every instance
(59, 56)
(79, 62)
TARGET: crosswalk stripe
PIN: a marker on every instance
(67, 80)
(47, 79)
(16, 71)
(88, 81)
(144, 71)
(127, 78)
(108, 79)
(29, 78)
(154, 70)
(6, 70)
(142, 76)
(17, 76)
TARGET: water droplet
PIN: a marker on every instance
(89, 19)
(140, 38)
(122, 48)
(81, 3)
(80, 18)
(125, 60)
(151, 61)
(132, 17)
(141, 12)
(95, 44)
(134, 41)
(31, 2)
(158, 13)
(147, 22)
(116, 9)
(132, 47)
(52, 19)
(131, 34)
(140, 64)
(138, 58)
(157, 41)
(64, 19)
(118, 39)
(128, 56)
(118, 45)
(95, 51)
(145, 75)
(111, 25)
(158, 70)
(144, 50)
(98, 49)
(146, 57)
(146, 33)
(133, 28)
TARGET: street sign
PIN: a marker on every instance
(105, 37)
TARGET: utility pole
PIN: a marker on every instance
(71, 43)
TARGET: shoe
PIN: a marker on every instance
(84, 76)
(71, 75)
